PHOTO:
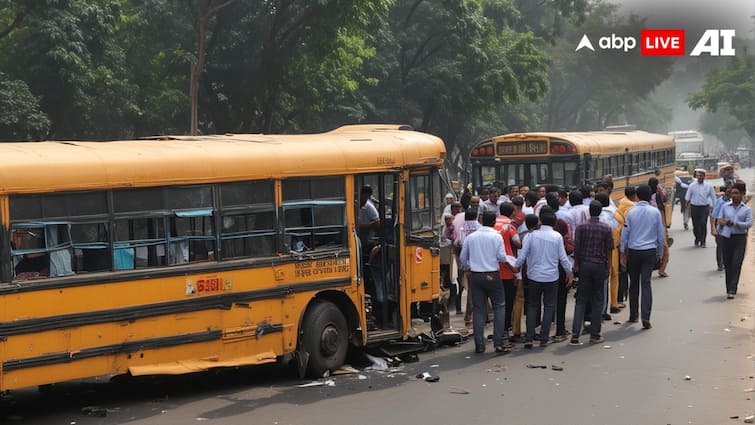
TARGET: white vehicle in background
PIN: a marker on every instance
(688, 142)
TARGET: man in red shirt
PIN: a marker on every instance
(511, 242)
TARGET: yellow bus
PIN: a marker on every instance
(573, 159)
(179, 254)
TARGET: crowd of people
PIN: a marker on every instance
(519, 252)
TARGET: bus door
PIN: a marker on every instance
(381, 257)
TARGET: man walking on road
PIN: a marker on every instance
(592, 256)
(735, 219)
(700, 197)
(481, 253)
(641, 247)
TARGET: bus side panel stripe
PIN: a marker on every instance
(126, 347)
(221, 302)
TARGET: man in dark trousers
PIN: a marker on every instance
(480, 253)
(593, 244)
(700, 197)
(641, 247)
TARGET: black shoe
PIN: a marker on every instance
(479, 350)
(615, 310)
(720, 268)
(516, 339)
(502, 350)
(528, 345)
(632, 320)
(685, 226)
(702, 244)
(646, 324)
(606, 316)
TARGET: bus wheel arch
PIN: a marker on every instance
(326, 331)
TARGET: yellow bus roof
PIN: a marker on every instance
(600, 142)
(34, 167)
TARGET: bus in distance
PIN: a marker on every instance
(173, 255)
(573, 159)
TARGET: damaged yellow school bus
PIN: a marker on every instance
(180, 254)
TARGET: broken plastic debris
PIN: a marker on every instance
(427, 377)
(377, 363)
(617, 323)
(727, 330)
(537, 366)
(434, 365)
(607, 347)
(734, 417)
(345, 370)
(750, 419)
(360, 376)
(557, 368)
(687, 378)
(329, 383)
(455, 390)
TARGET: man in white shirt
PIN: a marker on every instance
(369, 220)
(481, 252)
(700, 197)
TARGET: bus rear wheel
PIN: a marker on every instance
(324, 335)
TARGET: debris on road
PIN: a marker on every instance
(687, 378)
(329, 383)
(607, 347)
(95, 411)
(377, 363)
(345, 370)
(557, 368)
(455, 390)
(750, 419)
(537, 366)
(427, 377)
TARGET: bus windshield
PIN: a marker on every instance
(562, 172)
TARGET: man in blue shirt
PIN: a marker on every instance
(543, 250)
(700, 197)
(735, 219)
(641, 247)
(481, 252)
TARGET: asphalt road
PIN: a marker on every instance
(695, 366)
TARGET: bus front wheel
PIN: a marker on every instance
(324, 336)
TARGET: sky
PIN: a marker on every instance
(694, 15)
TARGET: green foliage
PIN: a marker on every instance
(20, 115)
(590, 91)
(732, 88)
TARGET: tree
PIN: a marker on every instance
(20, 115)
(207, 10)
(590, 90)
(733, 88)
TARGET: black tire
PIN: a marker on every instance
(324, 335)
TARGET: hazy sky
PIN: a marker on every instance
(695, 15)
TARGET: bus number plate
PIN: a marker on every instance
(207, 285)
(522, 148)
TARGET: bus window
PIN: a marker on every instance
(192, 237)
(90, 244)
(558, 173)
(488, 175)
(424, 196)
(247, 220)
(314, 212)
(41, 250)
(141, 240)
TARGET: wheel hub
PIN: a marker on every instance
(329, 340)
